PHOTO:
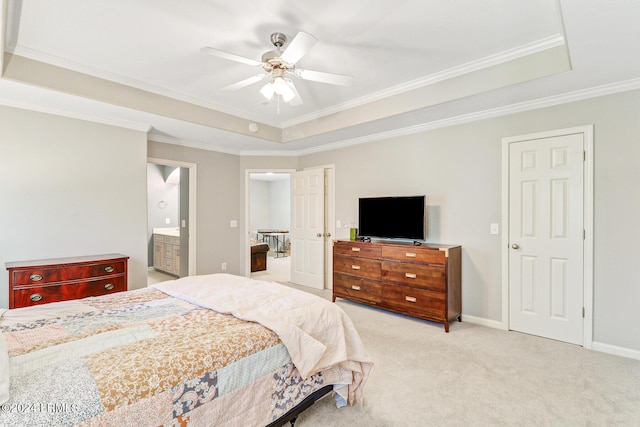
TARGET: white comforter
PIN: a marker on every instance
(316, 332)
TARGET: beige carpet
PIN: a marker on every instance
(278, 270)
(479, 376)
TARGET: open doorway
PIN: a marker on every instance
(170, 220)
(269, 222)
(253, 225)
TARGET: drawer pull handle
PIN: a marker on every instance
(35, 297)
(109, 286)
(410, 275)
(109, 269)
(355, 249)
(411, 254)
(355, 288)
(410, 299)
(35, 278)
(355, 267)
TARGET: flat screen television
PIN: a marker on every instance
(401, 217)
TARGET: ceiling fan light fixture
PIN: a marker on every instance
(267, 91)
(278, 65)
(278, 87)
(282, 88)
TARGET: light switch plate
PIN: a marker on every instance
(495, 228)
(234, 223)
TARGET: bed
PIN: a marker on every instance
(212, 350)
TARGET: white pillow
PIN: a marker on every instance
(4, 371)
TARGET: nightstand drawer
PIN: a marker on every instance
(37, 276)
(44, 294)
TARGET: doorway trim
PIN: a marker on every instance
(192, 167)
(587, 284)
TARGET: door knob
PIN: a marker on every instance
(319, 235)
(515, 246)
(328, 234)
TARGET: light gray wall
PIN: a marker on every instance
(258, 205)
(459, 168)
(270, 204)
(218, 202)
(280, 204)
(70, 188)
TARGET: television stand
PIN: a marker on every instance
(420, 281)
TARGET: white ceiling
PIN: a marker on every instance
(416, 64)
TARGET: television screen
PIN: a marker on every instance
(392, 217)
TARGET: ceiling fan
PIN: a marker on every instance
(279, 65)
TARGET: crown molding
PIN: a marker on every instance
(39, 56)
(151, 136)
(496, 59)
(489, 61)
(278, 153)
(608, 89)
(142, 127)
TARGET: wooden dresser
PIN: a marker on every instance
(421, 281)
(61, 279)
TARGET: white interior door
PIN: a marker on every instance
(307, 228)
(329, 226)
(546, 237)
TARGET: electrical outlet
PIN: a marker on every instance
(223, 267)
(233, 223)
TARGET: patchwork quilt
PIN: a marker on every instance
(145, 358)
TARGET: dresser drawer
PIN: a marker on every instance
(37, 275)
(361, 267)
(43, 294)
(415, 301)
(415, 275)
(356, 288)
(414, 254)
(357, 249)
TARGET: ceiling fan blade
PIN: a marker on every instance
(319, 76)
(299, 46)
(297, 100)
(246, 82)
(230, 56)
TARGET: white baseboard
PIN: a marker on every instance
(597, 346)
(484, 322)
(618, 351)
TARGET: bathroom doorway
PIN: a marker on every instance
(171, 220)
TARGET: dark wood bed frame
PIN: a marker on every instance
(292, 415)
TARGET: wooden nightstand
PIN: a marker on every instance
(60, 279)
